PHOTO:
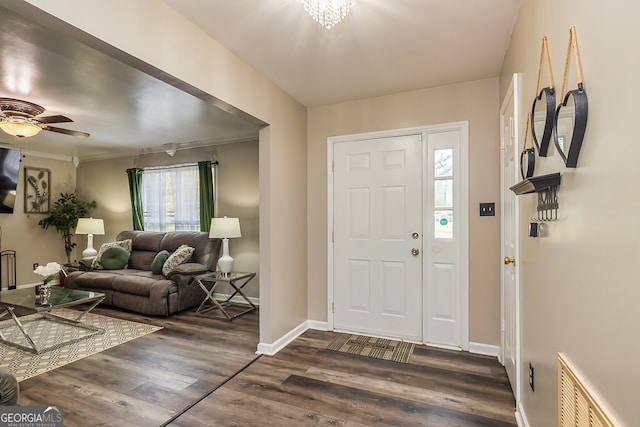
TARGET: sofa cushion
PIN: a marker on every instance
(146, 244)
(181, 255)
(97, 264)
(143, 286)
(206, 249)
(114, 258)
(158, 262)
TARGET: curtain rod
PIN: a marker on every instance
(178, 165)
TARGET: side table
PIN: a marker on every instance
(236, 280)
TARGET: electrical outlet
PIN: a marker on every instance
(35, 265)
(488, 209)
(531, 377)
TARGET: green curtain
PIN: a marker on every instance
(206, 194)
(135, 190)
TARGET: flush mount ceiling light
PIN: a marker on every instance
(328, 12)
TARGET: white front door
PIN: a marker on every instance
(399, 248)
(509, 119)
(377, 205)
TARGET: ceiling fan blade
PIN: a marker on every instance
(66, 131)
(53, 119)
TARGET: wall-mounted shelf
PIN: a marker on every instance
(536, 184)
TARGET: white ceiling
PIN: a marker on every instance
(382, 47)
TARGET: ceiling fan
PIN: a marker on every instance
(20, 118)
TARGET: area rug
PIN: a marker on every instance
(25, 364)
(377, 348)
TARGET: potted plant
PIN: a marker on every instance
(64, 214)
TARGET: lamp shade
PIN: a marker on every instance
(20, 128)
(225, 228)
(90, 226)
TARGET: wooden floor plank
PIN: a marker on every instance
(182, 371)
(235, 408)
(306, 384)
(148, 380)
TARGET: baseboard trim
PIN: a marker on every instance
(486, 349)
(286, 339)
(521, 418)
(283, 341)
(318, 325)
(237, 299)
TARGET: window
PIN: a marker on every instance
(171, 198)
(443, 193)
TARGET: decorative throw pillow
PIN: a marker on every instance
(115, 258)
(96, 264)
(158, 262)
(181, 255)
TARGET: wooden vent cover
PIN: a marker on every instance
(577, 406)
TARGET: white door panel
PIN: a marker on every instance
(442, 207)
(377, 201)
(509, 119)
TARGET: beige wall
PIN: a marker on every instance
(21, 232)
(476, 102)
(105, 181)
(237, 185)
(579, 290)
(176, 46)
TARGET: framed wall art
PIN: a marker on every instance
(37, 194)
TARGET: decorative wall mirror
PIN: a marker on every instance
(572, 111)
(528, 155)
(544, 106)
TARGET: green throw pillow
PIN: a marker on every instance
(96, 264)
(115, 258)
(158, 262)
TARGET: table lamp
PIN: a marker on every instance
(225, 228)
(90, 226)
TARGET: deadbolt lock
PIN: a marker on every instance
(415, 236)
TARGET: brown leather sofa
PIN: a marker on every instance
(137, 288)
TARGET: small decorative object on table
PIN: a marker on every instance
(49, 271)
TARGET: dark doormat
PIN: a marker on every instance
(377, 348)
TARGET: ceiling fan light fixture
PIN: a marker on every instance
(17, 126)
(328, 13)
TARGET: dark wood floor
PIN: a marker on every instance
(307, 385)
(147, 381)
(160, 379)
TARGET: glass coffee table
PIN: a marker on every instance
(42, 330)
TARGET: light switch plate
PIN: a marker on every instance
(488, 209)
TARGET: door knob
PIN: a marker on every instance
(508, 261)
(415, 251)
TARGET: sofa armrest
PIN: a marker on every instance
(183, 275)
(189, 269)
(85, 264)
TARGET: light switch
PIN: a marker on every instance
(488, 209)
